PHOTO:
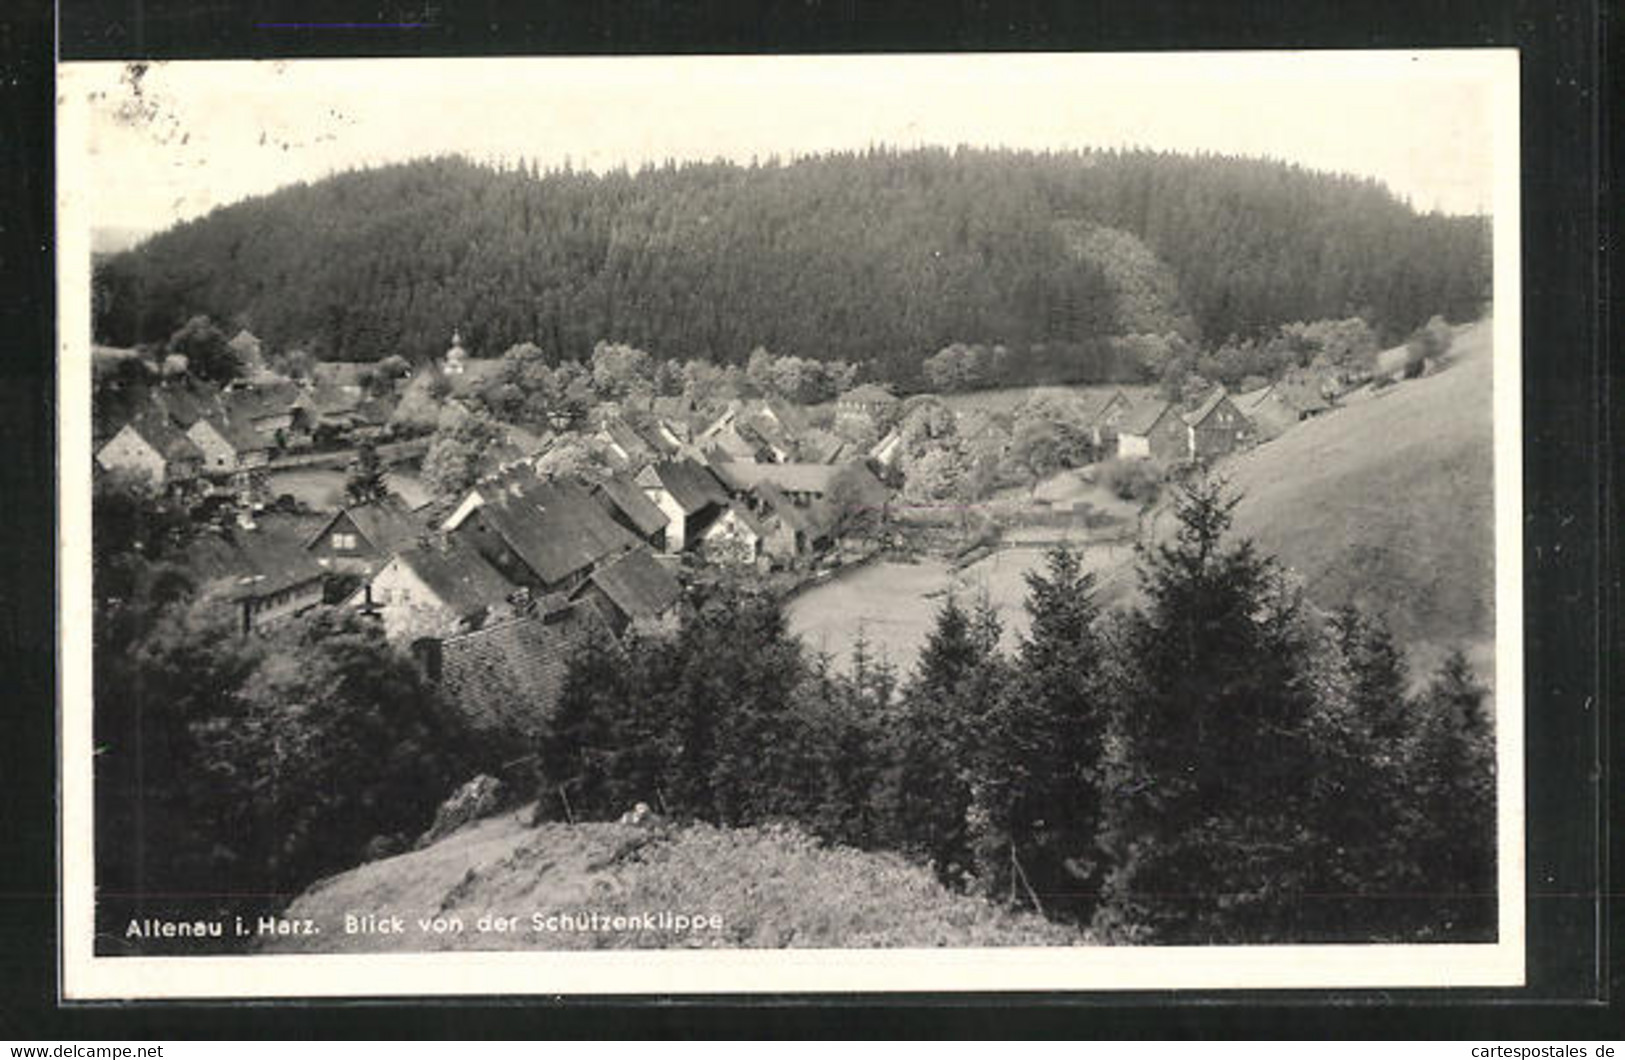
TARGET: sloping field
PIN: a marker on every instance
(1389, 503)
(771, 887)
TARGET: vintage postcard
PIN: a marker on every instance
(790, 524)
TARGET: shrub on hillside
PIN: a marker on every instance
(1430, 342)
(1132, 480)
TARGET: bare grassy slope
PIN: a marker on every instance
(773, 887)
(1389, 503)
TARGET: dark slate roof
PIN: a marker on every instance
(555, 527)
(457, 574)
(624, 496)
(639, 585)
(693, 487)
(170, 441)
(185, 403)
(625, 436)
(1201, 412)
(814, 518)
(386, 523)
(505, 680)
(753, 522)
(1095, 405)
(250, 403)
(821, 446)
(1143, 416)
(257, 562)
(239, 432)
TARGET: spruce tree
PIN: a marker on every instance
(954, 679)
(1452, 763)
(1039, 766)
(1208, 822)
(366, 481)
(1361, 795)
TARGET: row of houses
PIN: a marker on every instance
(179, 433)
(1149, 427)
(495, 598)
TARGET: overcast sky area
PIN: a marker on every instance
(198, 135)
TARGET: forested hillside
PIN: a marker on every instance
(881, 258)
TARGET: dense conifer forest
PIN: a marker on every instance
(880, 258)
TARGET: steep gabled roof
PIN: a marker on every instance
(624, 496)
(555, 527)
(248, 563)
(239, 433)
(505, 680)
(170, 441)
(1201, 412)
(639, 585)
(184, 403)
(754, 523)
(627, 438)
(821, 446)
(1143, 415)
(813, 519)
(693, 487)
(1095, 404)
(385, 523)
(457, 574)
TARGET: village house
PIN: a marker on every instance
(1105, 420)
(1216, 427)
(627, 445)
(794, 530)
(436, 589)
(260, 567)
(864, 407)
(273, 410)
(628, 505)
(361, 538)
(636, 591)
(1275, 408)
(547, 536)
(688, 494)
(734, 435)
(818, 446)
(802, 483)
(230, 445)
(734, 537)
(154, 449)
(502, 682)
(1153, 430)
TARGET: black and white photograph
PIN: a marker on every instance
(790, 523)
